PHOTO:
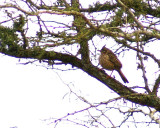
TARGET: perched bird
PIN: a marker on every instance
(108, 60)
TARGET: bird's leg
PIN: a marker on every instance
(109, 76)
(111, 73)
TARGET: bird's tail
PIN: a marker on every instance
(123, 76)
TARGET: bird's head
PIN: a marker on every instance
(104, 50)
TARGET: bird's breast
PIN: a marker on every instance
(105, 62)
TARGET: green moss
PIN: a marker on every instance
(8, 37)
(18, 25)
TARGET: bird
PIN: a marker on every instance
(108, 60)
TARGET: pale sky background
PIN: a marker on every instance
(30, 93)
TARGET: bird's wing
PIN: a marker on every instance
(113, 58)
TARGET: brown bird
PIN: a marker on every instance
(108, 60)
